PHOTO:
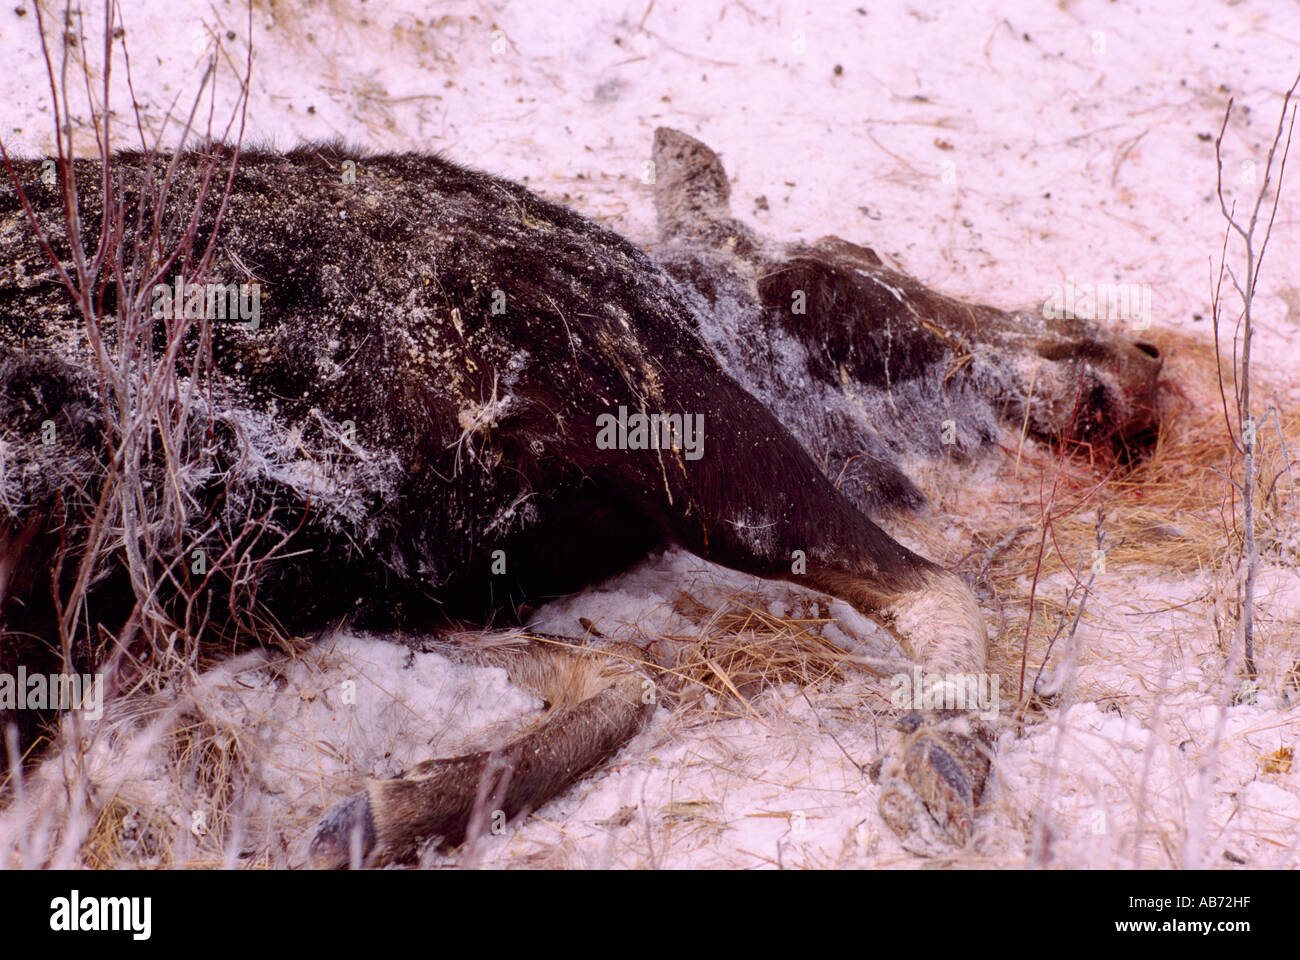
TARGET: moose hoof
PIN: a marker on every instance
(932, 784)
(345, 837)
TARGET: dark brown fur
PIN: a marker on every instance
(475, 434)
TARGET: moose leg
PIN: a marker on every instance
(760, 505)
(933, 781)
(597, 699)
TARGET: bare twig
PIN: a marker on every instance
(1248, 445)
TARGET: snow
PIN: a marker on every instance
(992, 149)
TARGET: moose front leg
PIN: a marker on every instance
(933, 780)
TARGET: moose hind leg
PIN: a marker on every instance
(597, 700)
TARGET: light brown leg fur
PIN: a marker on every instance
(598, 698)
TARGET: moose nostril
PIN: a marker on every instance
(1149, 349)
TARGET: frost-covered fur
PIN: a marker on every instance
(414, 420)
(872, 366)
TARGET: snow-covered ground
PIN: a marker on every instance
(992, 149)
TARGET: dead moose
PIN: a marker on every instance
(408, 433)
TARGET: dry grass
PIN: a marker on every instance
(742, 649)
(1172, 510)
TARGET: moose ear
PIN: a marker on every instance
(691, 189)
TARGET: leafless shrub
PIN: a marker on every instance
(129, 505)
(1245, 441)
